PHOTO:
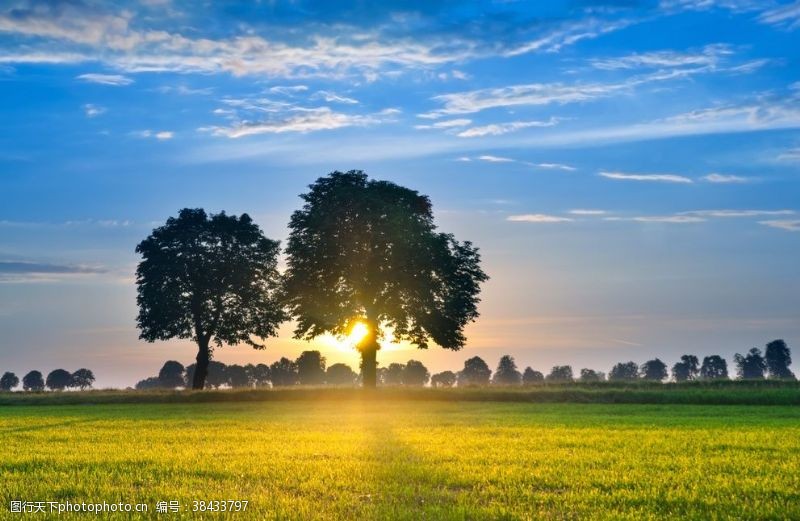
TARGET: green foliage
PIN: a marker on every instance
(714, 368)
(687, 369)
(58, 379)
(560, 374)
(750, 366)
(590, 375)
(531, 376)
(654, 370)
(82, 379)
(624, 372)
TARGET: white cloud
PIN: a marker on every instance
(737, 213)
(724, 178)
(504, 128)
(662, 178)
(709, 56)
(788, 225)
(569, 33)
(332, 97)
(116, 80)
(670, 219)
(93, 110)
(538, 218)
(495, 159)
(449, 123)
(786, 16)
(300, 120)
(554, 166)
(288, 90)
(790, 155)
(161, 135)
(580, 211)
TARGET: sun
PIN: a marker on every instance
(357, 333)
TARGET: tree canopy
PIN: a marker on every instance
(750, 366)
(8, 381)
(212, 279)
(171, 375)
(311, 368)
(531, 376)
(624, 371)
(560, 373)
(654, 370)
(506, 372)
(33, 381)
(59, 379)
(444, 379)
(687, 369)
(415, 374)
(82, 379)
(714, 368)
(367, 251)
(340, 374)
(475, 372)
(779, 358)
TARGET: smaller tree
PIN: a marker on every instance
(238, 377)
(779, 358)
(283, 373)
(654, 370)
(393, 374)
(750, 366)
(507, 373)
(259, 374)
(560, 374)
(82, 379)
(624, 372)
(687, 369)
(171, 375)
(148, 383)
(8, 381)
(311, 368)
(33, 381)
(531, 377)
(475, 373)
(444, 379)
(340, 374)
(215, 377)
(590, 375)
(714, 368)
(415, 374)
(59, 379)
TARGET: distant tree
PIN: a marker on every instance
(530, 377)
(687, 369)
(33, 381)
(590, 375)
(714, 368)
(779, 358)
(148, 383)
(215, 377)
(624, 372)
(560, 373)
(750, 366)
(380, 375)
(82, 379)
(259, 374)
(238, 376)
(283, 373)
(58, 379)
(171, 375)
(444, 379)
(506, 372)
(367, 251)
(394, 374)
(340, 374)
(475, 372)
(415, 374)
(311, 368)
(213, 279)
(8, 381)
(654, 370)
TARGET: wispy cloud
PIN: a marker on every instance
(504, 128)
(116, 80)
(788, 225)
(708, 56)
(446, 124)
(288, 90)
(658, 178)
(786, 16)
(669, 219)
(538, 218)
(91, 110)
(790, 155)
(495, 159)
(581, 211)
(737, 213)
(725, 178)
(161, 135)
(332, 97)
(554, 166)
(18, 272)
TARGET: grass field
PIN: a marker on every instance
(379, 459)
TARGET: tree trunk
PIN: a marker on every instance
(201, 369)
(369, 357)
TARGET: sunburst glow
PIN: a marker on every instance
(357, 333)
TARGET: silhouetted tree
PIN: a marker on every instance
(148, 383)
(714, 368)
(750, 366)
(530, 377)
(82, 379)
(33, 381)
(590, 375)
(8, 381)
(779, 358)
(444, 379)
(58, 379)
(311, 368)
(624, 372)
(212, 279)
(283, 373)
(506, 372)
(415, 374)
(238, 376)
(654, 370)
(687, 369)
(340, 374)
(394, 374)
(259, 374)
(171, 375)
(380, 375)
(560, 373)
(215, 377)
(368, 251)
(475, 372)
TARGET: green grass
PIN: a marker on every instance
(410, 459)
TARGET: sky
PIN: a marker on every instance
(630, 170)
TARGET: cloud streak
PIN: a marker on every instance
(657, 178)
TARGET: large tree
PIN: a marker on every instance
(82, 379)
(506, 372)
(311, 368)
(687, 369)
(415, 374)
(59, 379)
(171, 374)
(751, 365)
(340, 374)
(475, 372)
(654, 370)
(8, 381)
(714, 368)
(624, 372)
(444, 379)
(779, 358)
(209, 278)
(33, 381)
(560, 373)
(366, 253)
(531, 376)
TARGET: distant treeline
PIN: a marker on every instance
(310, 368)
(57, 380)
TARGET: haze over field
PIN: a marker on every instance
(630, 174)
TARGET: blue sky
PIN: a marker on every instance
(629, 169)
